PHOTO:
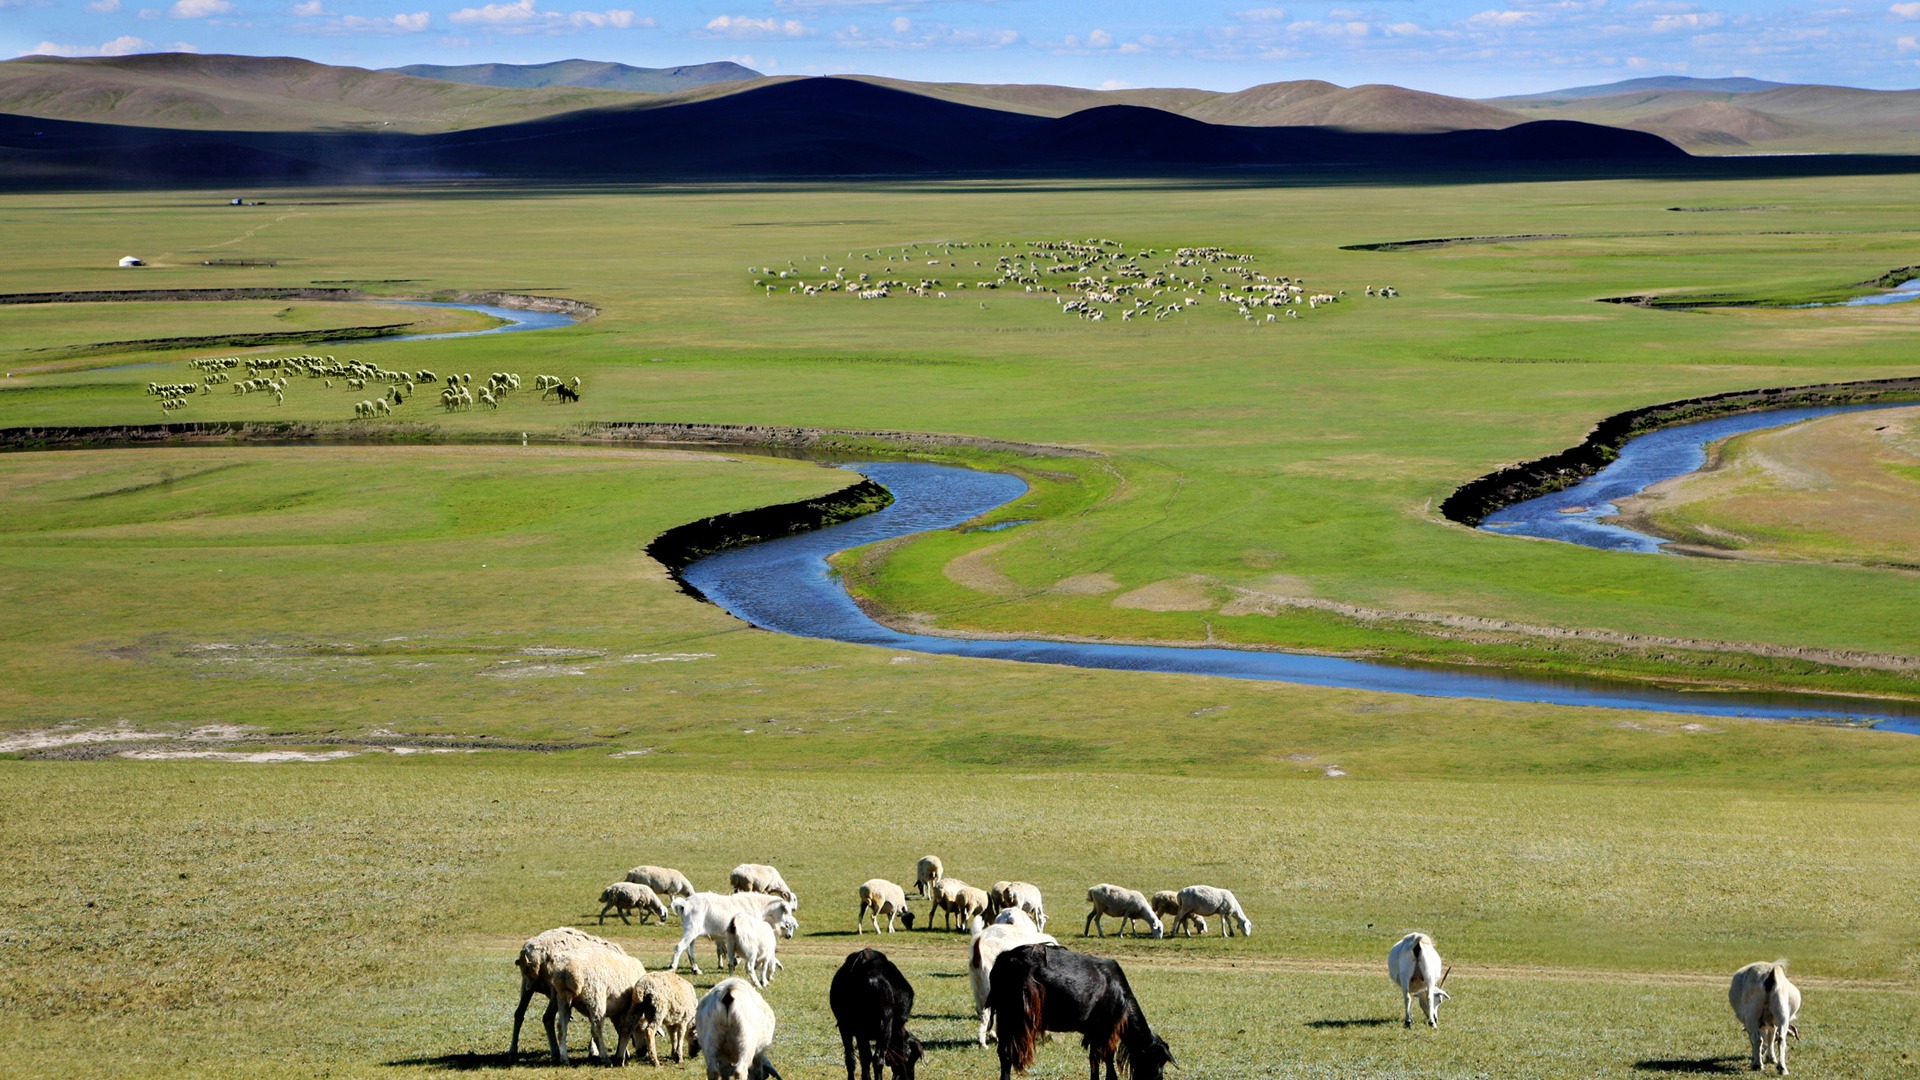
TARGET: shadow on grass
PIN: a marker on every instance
(1712, 1066)
(464, 1062)
(1366, 1022)
(948, 1044)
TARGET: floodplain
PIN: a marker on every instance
(399, 703)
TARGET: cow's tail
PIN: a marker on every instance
(1022, 1027)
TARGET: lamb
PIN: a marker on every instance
(1206, 900)
(1019, 895)
(1766, 1004)
(884, 898)
(929, 870)
(1414, 964)
(662, 1002)
(707, 915)
(754, 877)
(537, 957)
(662, 880)
(596, 983)
(872, 1002)
(624, 896)
(1013, 928)
(1124, 904)
(735, 1027)
(1166, 904)
(749, 938)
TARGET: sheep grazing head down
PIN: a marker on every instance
(906, 918)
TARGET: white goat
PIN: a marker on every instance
(749, 938)
(756, 877)
(1012, 928)
(1198, 900)
(1124, 904)
(706, 915)
(883, 897)
(1414, 965)
(1767, 1005)
(735, 1026)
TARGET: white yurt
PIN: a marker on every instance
(132, 260)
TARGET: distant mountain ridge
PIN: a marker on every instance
(587, 74)
(1736, 85)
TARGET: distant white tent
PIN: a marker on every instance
(132, 260)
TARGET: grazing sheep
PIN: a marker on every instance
(1767, 1005)
(756, 877)
(662, 1003)
(1414, 964)
(945, 894)
(1166, 904)
(927, 872)
(749, 938)
(536, 960)
(1011, 929)
(884, 898)
(1206, 900)
(1124, 904)
(661, 879)
(872, 1002)
(596, 983)
(735, 1027)
(624, 896)
(706, 915)
(970, 905)
(1020, 895)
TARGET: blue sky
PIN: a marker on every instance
(1467, 47)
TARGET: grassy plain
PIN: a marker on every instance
(1594, 873)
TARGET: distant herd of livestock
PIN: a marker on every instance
(1024, 982)
(272, 376)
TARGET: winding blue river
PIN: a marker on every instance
(1574, 514)
(785, 585)
(516, 320)
(1901, 293)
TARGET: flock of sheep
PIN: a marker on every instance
(273, 375)
(1013, 967)
(1089, 279)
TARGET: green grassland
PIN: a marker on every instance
(1594, 874)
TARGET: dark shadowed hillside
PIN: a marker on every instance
(793, 129)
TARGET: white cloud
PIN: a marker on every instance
(1909, 43)
(909, 35)
(309, 9)
(1488, 19)
(1697, 20)
(1099, 39)
(902, 24)
(1263, 14)
(742, 26)
(524, 17)
(375, 24)
(200, 9)
(1905, 11)
(1115, 84)
(104, 7)
(124, 45)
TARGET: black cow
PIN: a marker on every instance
(1042, 988)
(871, 1002)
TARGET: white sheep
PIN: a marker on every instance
(756, 877)
(596, 983)
(1124, 904)
(735, 1027)
(1414, 964)
(1019, 895)
(1206, 900)
(945, 893)
(663, 1003)
(661, 879)
(1010, 929)
(750, 940)
(625, 896)
(536, 960)
(706, 915)
(883, 897)
(1166, 904)
(1767, 1004)
(970, 905)
(929, 870)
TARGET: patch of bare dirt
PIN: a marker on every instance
(974, 571)
(1086, 585)
(1173, 594)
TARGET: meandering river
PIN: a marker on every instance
(785, 585)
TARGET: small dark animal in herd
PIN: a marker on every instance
(871, 1002)
(1042, 988)
(564, 392)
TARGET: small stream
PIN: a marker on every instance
(785, 585)
(516, 320)
(1906, 290)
